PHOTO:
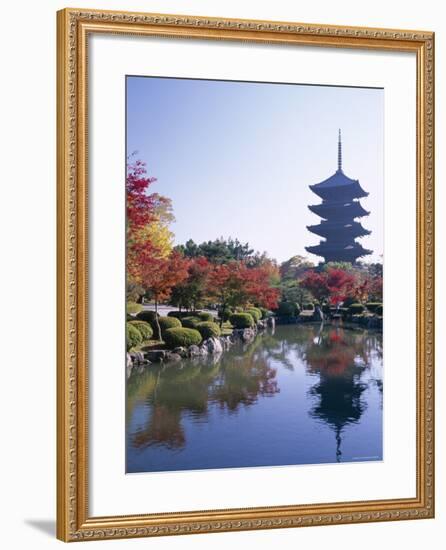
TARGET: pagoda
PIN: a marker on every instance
(339, 210)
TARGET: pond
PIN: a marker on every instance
(301, 394)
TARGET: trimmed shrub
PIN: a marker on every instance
(176, 314)
(288, 309)
(265, 312)
(179, 314)
(190, 322)
(372, 306)
(356, 309)
(169, 322)
(208, 329)
(255, 313)
(165, 323)
(180, 336)
(241, 320)
(225, 314)
(144, 328)
(133, 308)
(147, 315)
(204, 316)
(134, 337)
(308, 307)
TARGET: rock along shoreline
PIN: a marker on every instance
(210, 346)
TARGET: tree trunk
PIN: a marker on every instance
(157, 323)
(223, 309)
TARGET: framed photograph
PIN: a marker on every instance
(245, 274)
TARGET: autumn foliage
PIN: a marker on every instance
(225, 273)
(147, 232)
(236, 284)
(188, 280)
(332, 286)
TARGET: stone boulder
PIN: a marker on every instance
(138, 358)
(245, 334)
(181, 351)
(193, 351)
(156, 355)
(203, 349)
(226, 342)
(213, 345)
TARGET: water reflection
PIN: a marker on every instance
(221, 411)
(339, 359)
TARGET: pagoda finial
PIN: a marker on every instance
(339, 152)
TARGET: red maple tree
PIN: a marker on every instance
(192, 291)
(235, 284)
(141, 211)
(160, 275)
(332, 286)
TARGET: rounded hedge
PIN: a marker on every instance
(255, 313)
(241, 320)
(164, 323)
(133, 308)
(147, 315)
(144, 328)
(190, 322)
(180, 336)
(288, 309)
(265, 312)
(204, 316)
(134, 337)
(169, 322)
(208, 329)
(179, 314)
(225, 313)
(308, 307)
(356, 309)
(176, 314)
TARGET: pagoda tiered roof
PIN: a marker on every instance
(336, 252)
(330, 228)
(339, 209)
(339, 186)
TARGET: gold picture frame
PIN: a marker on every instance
(73, 520)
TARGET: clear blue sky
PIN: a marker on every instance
(236, 158)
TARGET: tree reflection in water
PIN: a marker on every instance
(329, 375)
(231, 380)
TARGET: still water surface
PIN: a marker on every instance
(299, 395)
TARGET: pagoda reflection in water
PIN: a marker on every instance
(339, 210)
(339, 361)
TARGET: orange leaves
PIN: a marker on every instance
(235, 284)
(332, 285)
(160, 275)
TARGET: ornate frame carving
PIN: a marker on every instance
(73, 520)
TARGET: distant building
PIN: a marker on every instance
(339, 210)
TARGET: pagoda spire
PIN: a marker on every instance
(339, 152)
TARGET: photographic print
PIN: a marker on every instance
(254, 274)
